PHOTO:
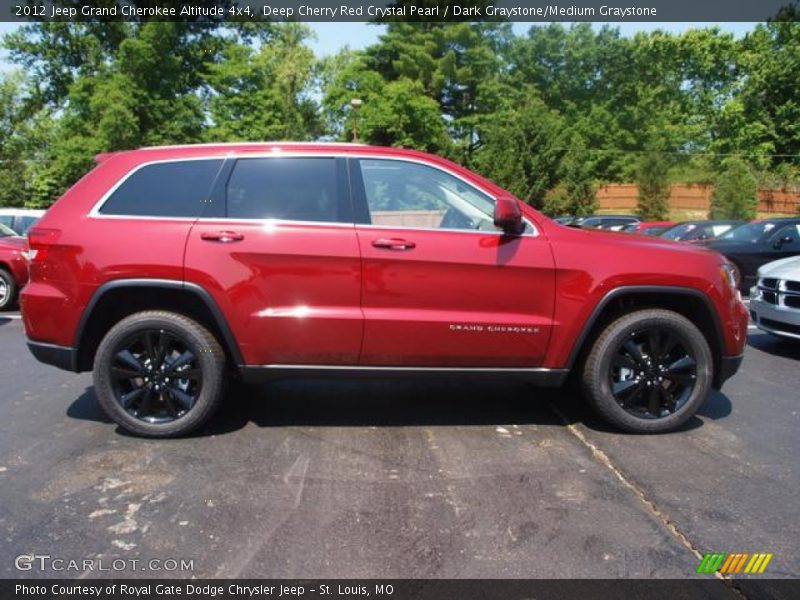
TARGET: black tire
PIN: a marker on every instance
(138, 368)
(640, 390)
(8, 290)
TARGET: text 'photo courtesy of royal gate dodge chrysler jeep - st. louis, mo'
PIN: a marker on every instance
(169, 270)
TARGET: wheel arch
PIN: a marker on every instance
(7, 267)
(689, 302)
(114, 300)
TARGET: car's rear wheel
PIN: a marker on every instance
(8, 290)
(648, 371)
(159, 374)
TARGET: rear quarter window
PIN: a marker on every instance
(168, 189)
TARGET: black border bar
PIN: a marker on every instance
(710, 587)
(400, 10)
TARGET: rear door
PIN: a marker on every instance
(442, 286)
(278, 252)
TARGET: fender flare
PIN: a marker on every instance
(170, 284)
(611, 295)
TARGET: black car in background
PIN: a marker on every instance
(754, 244)
(699, 231)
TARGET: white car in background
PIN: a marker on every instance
(20, 219)
(775, 299)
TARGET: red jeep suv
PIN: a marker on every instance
(166, 270)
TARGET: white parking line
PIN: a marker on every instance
(2, 316)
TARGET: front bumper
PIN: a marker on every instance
(728, 366)
(775, 319)
(63, 357)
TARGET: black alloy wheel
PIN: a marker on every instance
(648, 371)
(156, 376)
(159, 374)
(652, 373)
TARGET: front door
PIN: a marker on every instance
(442, 287)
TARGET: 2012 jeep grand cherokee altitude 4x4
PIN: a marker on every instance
(167, 270)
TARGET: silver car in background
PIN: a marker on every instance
(775, 299)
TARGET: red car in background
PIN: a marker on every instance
(13, 266)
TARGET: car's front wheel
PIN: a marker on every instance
(648, 371)
(159, 374)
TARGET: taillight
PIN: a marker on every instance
(39, 241)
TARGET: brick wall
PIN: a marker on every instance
(622, 196)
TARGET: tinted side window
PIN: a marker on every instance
(407, 194)
(171, 189)
(697, 233)
(293, 189)
(787, 231)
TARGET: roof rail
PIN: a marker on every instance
(285, 143)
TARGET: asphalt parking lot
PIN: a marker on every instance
(387, 479)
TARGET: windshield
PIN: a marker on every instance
(751, 232)
(677, 232)
(6, 231)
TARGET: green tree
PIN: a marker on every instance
(523, 148)
(343, 77)
(13, 190)
(579, 184)
(735, 192)
(652, 178)
(612, 89)
(394, 113)
(576, 193)
(55, 54)
(768, 101)
(455, 63)
(132, 85)
(404, 117)
(265, 94)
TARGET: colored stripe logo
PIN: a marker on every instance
(742, 562)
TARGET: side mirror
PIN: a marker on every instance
(784, 240)
(508, 216)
